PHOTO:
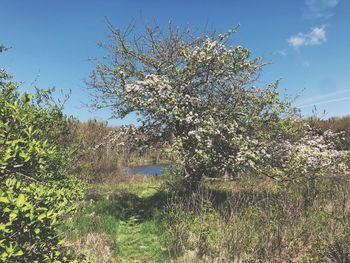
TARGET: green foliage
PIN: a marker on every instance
(29, 219)
(35, 190)
(31, 137)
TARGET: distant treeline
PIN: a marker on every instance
(101, 150)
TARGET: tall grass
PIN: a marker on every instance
(259, 221)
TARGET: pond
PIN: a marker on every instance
(156, 170)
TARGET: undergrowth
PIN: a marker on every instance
(247, 220)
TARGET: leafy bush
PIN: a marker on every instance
(35, 190)
(29, 220)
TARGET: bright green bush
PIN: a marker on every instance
(30, 216)
(35, 190)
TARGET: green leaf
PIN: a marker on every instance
(27, 97)
(4, 199)
(41, 217)
(2, 227)
(13, 216)
(18, 253)
(21, 200)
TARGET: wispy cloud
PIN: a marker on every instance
(306, 64)
(282, 52)
(324, 102)
(315, 9)
(326, 98)
(316, 36)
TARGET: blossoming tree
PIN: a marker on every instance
(195, 93)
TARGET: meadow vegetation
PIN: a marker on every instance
(249, 219)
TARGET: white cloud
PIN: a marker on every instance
(316, 36)
(326, 96)
(315, 9)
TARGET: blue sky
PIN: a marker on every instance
(307, 42)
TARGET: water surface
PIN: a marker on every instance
(156, 170)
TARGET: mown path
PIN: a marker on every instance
(120, 223)
(138, 241)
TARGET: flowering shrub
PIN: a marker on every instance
(310, 156)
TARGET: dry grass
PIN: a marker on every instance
(96, 246)
(252, 221)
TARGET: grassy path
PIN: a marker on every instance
(120, 223)
(138, 241)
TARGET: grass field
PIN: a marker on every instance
(248, 220)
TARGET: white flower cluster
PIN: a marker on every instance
(311, 156)
(126, 136)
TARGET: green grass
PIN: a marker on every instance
(128, 215)
(139, 241)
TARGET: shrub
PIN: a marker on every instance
(30, 215)
(36, 191)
